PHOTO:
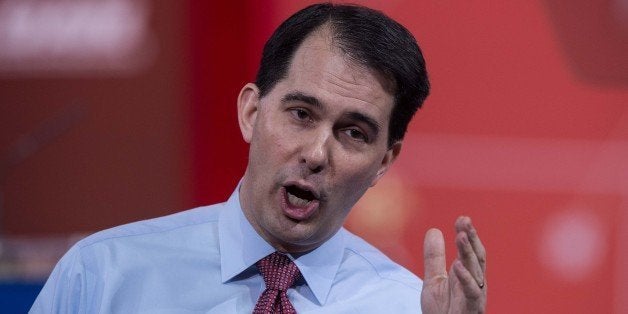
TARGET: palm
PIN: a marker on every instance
(457, 291)
(436, 295)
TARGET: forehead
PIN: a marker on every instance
(323, 70)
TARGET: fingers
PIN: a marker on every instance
(434, 255)
(471, 252)
(464, 224)
(470, 288)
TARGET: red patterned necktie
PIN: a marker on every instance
(279, 274)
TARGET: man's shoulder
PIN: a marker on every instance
(364, 258)
(103, 262)
(156, 227)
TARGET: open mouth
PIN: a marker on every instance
(299, 203)
(299, 197)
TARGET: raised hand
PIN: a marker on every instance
(463, 288)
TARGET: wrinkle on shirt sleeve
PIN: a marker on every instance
(65, 290)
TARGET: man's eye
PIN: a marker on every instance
(300, 114)
(356, 135)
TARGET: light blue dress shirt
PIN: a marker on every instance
(203, 261)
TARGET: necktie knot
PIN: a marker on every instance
(278, 271)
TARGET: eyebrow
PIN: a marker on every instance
(311, 100)
(299, 96)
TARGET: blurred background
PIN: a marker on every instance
(113, 111)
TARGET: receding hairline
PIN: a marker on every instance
(331, 36)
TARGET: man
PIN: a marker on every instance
(336, 89)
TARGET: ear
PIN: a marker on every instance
(248, 103)
(387, 161)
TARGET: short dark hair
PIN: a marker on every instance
(368, 37)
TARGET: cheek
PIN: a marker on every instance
(361, 171)
(278, 145)
(353, 181)
(274, 143)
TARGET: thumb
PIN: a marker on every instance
(434, 254)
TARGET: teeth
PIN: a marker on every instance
(297, 201)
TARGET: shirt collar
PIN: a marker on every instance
(319, 267)
(241, 247)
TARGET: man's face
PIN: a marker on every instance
(318, 141)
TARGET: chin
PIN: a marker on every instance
(299, 242)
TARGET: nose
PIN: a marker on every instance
(315, 152)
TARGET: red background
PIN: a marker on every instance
(526, 131)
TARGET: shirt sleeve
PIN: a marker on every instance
(65, 289)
